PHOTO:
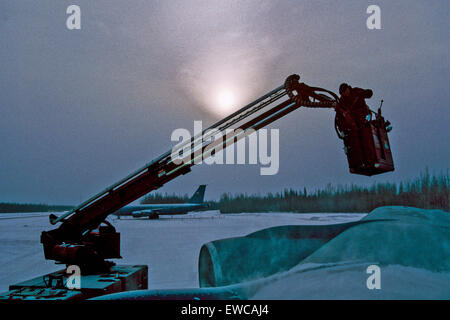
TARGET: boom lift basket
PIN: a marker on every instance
(367, 146)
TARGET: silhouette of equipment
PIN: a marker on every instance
(86, 239)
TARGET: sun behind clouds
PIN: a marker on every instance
(225, 101)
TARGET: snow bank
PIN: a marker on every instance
(394, 235)
(411, 246)
(261, 254)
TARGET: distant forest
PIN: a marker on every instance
(29, 207)
(428, 191)
(164, 198)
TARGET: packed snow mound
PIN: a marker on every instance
(262, 253)
(349, 282)
(404, 236)
(410, 247)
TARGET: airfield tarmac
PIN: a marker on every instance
(169, 246)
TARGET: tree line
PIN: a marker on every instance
(428, 191)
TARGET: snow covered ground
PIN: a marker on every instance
(411, 245)
(169, 246)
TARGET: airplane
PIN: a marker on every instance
(153, 211)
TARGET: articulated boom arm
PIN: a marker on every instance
(75, 242)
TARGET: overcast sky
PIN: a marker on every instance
(81, 109)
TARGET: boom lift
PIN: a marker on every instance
(84, 238)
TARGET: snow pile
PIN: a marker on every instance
(349, 282)
(411, 246)
(263, 253)
(394, 235)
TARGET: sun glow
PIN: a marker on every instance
(227, 75)
(226, 101)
